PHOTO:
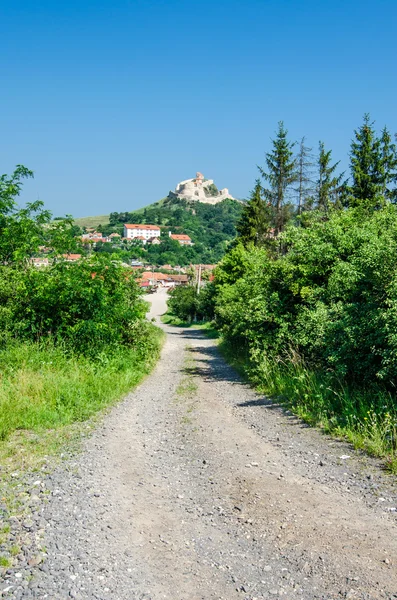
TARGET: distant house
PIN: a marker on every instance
(154, 278)
(40, 262)
(154, 240)
(71, 257)
(163, 279)
(178, 279)
(133, 231)
(140, 238)
(182, 238)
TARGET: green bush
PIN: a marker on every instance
(331, 296)
(186, 304)
(88, 306)
(318, 323)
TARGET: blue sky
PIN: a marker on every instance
(111, 103)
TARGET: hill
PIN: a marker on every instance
(92, 221)
(104, 219)
(211, 227)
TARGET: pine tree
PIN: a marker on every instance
(389, 166)
(330, 186)
(367, 164)
(281, 174)
(254, 224)
(304, 166)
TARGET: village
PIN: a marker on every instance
(149, 277)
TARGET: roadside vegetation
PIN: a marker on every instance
(306, 299)
(73, 336)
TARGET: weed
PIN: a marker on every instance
(5, 562)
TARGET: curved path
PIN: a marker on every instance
(197, 488)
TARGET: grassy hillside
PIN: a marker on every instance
(104, 219)
(92, 221)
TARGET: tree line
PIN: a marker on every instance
(293, 183)
(306, 296)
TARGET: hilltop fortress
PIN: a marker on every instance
(200, 189)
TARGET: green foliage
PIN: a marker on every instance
(24, 230)
(324, 311)
(281, 173)
(373, 167)
(44, 387)
(73, 336)
(331, 187)
(187, 304)
(211, 190)
(255, 221)
(183, 302)
(90, 305)
(211, 228)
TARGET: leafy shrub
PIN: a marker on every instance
(89, 305)
(331, 296)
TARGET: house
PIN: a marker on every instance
(154, 240)
(182, 238)
(174, 280)
(133, 231)
(40, 262)
(154, 278)
(71, 257)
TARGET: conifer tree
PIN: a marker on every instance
(254, 224)
(330, 186)
(304, 166)
(389, 166)
(280, 174)
(366, 164)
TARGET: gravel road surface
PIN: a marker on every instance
(196, 488)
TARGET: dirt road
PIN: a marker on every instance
(196, 488)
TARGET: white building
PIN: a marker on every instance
(144, 232)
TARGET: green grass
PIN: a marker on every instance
(153, 205)
(365, 418)
(44, 391)
(92, 221)
(4, 562)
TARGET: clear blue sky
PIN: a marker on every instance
(111, 103)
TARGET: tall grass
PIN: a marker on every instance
(42, 386)
(365, 417)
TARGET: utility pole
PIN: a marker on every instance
(199, 280)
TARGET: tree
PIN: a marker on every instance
(367, 165)
(24, 230)
(254, 224)
(330, 186)
(389, 166)
(304, 174)
(280, 175)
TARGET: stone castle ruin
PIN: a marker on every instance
(200, 189)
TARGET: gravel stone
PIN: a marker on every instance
(141, 515)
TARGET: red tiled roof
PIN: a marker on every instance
(180, 236)
(156, 276)
(134, 226)
(72, 256)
